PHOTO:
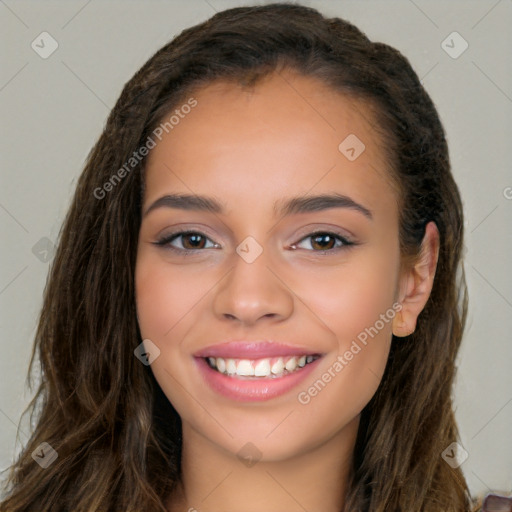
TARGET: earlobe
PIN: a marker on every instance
(401, 326)
(416, 284)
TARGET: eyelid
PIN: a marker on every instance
(345, 240)
(165, 240)
(314, 228)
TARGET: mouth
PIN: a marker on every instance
(255, 371)
(264, 368)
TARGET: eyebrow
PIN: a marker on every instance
(283, 207)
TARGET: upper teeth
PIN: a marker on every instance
(267, 367)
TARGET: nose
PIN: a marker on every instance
(252, 292)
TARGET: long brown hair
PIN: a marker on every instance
(117, 436)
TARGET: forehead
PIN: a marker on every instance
(251, 146)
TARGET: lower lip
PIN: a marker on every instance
(252, 390)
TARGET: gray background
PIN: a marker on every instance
(53, 110)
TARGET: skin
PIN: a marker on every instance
(248, 149)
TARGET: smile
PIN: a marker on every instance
(254, 380)
(252, 369)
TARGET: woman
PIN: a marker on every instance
(257, 298)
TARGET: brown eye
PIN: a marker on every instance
(193, 241)
(190, 241)
(324, 241)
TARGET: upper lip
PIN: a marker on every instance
(253, 350)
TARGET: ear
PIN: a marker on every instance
(416, 283)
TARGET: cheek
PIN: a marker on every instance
(350, 298)
(365, 294)
(356, 305)
(165, 293)
(167, 297)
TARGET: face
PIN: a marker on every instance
(300, 294)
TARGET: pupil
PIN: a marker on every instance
(196, 240)
(323, 236)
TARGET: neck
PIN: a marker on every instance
(218, 481)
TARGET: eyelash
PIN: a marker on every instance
(165, 241)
